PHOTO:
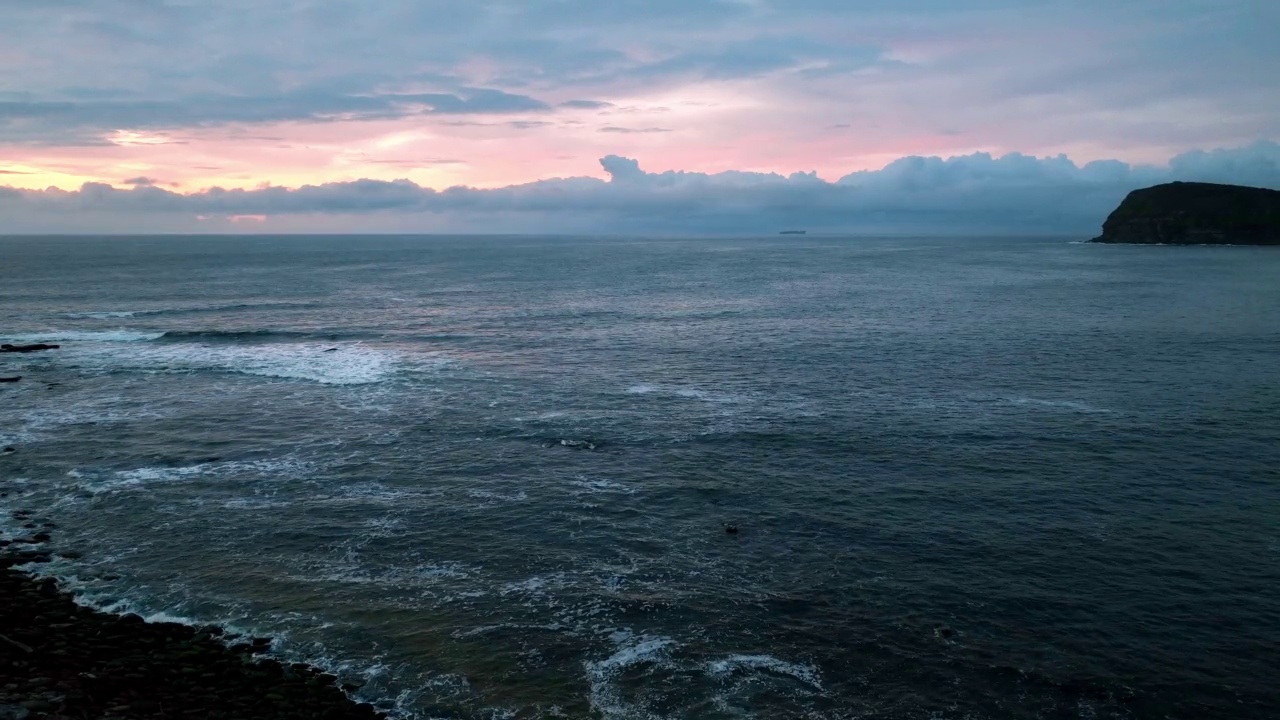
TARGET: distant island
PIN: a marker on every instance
(1193, 213)
(793, 232)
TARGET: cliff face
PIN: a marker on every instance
(1184, 213)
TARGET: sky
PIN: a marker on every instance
(624, 116)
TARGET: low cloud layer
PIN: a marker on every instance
(975, 193)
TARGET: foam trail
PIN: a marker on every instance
(139, 477)
(605, 697)
(1071, 405)
(102, 315)
(347, 365)
(805, 673)
(87, 336)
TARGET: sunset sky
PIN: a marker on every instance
(152, 103)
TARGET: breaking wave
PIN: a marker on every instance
(345, 365)
(265, 353)
(232, 336)
(102, 315)
(85, 336)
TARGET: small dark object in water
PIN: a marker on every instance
(731, 529)
(15, 378)
(9, 449)
(332, 350)
(27, 348)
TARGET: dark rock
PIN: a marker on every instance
(1189, 213)
(84, 663)
(35, 347)
(731, 529)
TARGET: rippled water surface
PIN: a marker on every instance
(488, 477)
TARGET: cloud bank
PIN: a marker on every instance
(975, 193)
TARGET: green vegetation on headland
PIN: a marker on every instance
(1189, 213)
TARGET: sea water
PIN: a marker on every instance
(488, 477)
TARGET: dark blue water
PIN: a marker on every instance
(1016, 478)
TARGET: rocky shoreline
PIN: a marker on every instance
(60, 660)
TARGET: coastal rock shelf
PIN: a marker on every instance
(59, 660)
(1189, 213)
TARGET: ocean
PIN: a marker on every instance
(489, 477)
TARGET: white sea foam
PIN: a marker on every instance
(602, 486)
(102, 315)
(686, 392)
(79, 409)
(1067, 405)
(736, 663)
(605, 696)
(321, 363)
(349, 364)
(124, 480)
(85, 336)
(533, 586)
